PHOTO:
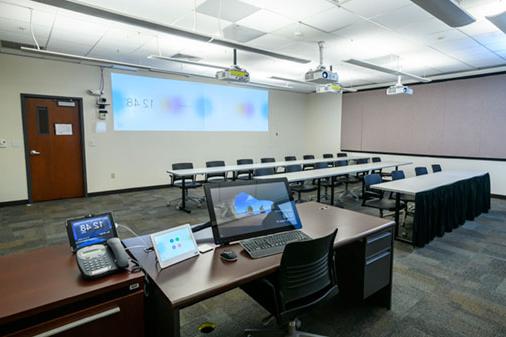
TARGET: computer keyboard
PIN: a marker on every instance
(271, 244)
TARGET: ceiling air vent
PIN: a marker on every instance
(16, 45)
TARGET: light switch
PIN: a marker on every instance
(3, 143)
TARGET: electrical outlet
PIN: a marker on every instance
(3, 143)
(113, 175)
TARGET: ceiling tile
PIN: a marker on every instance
(77, 30)
(240, 33)
(403, 16)
(302, 33)
(332, 19)
(293, 9)
(265, 21)
(479, 27)
(164, 12)
(230, 10)
(270, 41)
(204, 24)
(366, 9)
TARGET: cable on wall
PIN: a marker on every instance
(31, 29)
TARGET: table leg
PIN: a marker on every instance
(162, 320)
(397, 211)
(183, 197)
(332, 181)
(319, 188)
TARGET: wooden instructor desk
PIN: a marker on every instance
(364, 260)
(42, 294)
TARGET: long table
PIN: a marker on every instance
(444, 201)
(247, 167)
(364, 247)
(332, 173)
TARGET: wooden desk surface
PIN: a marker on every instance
(207, 275)
(47, 278)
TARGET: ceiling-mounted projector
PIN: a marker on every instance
(320, 75)
(331, 88)
(233, 73)
(399, 88)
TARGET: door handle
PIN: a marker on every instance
(34, 153)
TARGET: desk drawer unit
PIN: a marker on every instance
(116, 318)
(378, 262)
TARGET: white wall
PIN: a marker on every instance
(140, 158)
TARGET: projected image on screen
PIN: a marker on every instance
(141, 103)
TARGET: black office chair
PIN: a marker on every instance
(244, 174)
(376, 160)
(290, 158)
(436, 168)
(326, 182)
(342, 154)
(267, 160)
(421, 170)
(374, 198)
(264, 171)
(308, 166)
(190, 183)
(408, 200)
(215, 177)
(306, 278)
(346, 179)
(300, 186)
(329, 156)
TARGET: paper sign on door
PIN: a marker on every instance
(63, 129)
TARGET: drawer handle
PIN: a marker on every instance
(377, 257)
(378, 237)
(80, 322)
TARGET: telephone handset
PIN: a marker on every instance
(102, 259)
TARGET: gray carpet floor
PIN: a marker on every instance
(455, 286)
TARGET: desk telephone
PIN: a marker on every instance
(95, 242)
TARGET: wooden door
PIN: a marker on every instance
(54, 148)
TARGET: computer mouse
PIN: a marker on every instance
(228, 256)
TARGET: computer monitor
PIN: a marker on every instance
(243, 209)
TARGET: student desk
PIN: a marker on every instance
(444, 201)
(247, 167)
(42, 293)
(333, 172)
(364, 246)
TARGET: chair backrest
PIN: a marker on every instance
(328, 155)
(436, 168)
(342, 163)
(308, 156)
(398, 175)
(421, 170)
(215, 163)
(372, 179)
(267, 160)
(321, 165)
(307, 271)
(342, 154)
(293, 168)
(290, 158)
(244, 161)
(376, 159)
(362, 161)
(264, 171)
(182, 166)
